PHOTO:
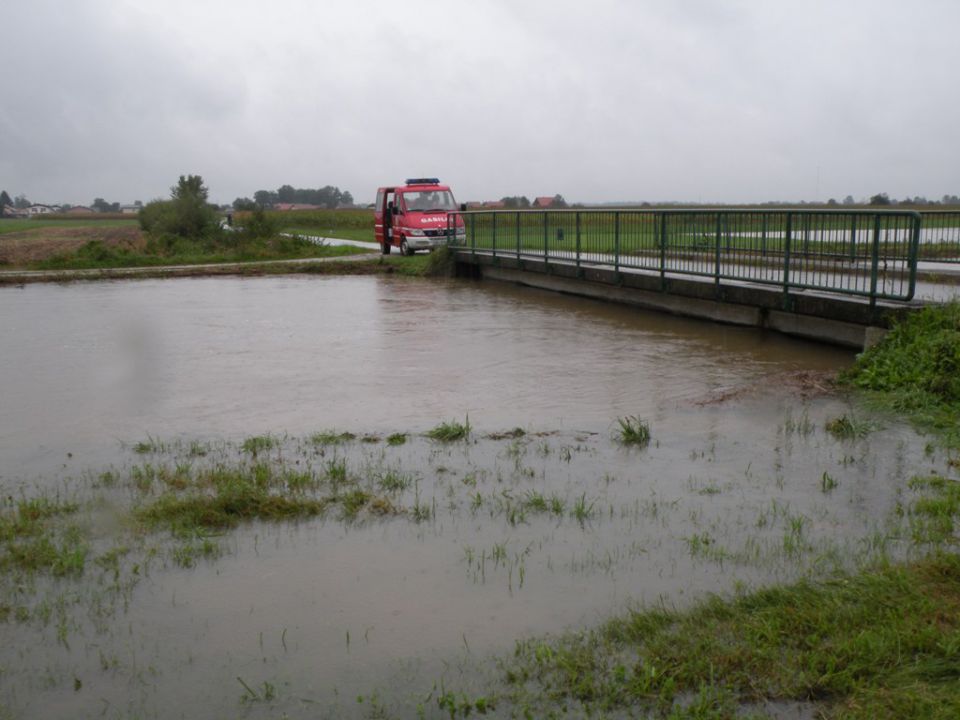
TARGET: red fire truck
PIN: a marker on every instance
(414, 216)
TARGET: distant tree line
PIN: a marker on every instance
(884, 199)
(99, 204)
(522, 202)
(328, 196)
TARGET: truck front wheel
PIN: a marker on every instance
(404, 248)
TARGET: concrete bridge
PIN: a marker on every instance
(837, 276)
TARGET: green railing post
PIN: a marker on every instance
(663, 247)
(473, 233)
(518, 235)
(493, 234)
(874, 260)
(716, 252)
(763, 237)
(616, 241)
(578, 241)
(546, 239)
(853, 239)
(787, 237)
(914, 253)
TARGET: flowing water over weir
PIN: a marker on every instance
(428, 556)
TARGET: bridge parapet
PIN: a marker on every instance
(858, 253)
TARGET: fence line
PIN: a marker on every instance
(863, 253)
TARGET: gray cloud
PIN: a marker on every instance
(608, 100)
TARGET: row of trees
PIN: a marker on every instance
(21, 202)
(328, 196)
(522, 202)
(884, 199)
(101, 205)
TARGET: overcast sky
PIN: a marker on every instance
(697, 100)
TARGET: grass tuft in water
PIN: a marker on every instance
(934, 515)
(450, 431)
(238, 494)
(331, 437)
(827, 482)
(516, 433)
(353, 502)
(150, 445)
(394, 481)
(259, 443)
(31, 540)
(633, 431)
(395, 439)
(848, 427)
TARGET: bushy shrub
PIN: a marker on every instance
(260, 226)
(920, 354)
(187, 214)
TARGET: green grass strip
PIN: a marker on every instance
(881, 644)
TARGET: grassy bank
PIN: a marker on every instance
(915, 371)
(344, 224)
(120, 243)
(227, 249)
(420, 265)
(881, 644)
(38, 225)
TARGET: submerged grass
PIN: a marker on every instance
(260, 443)
(226, 507)
(880, 644)
(633, 430)
(934, 515)
(849, 427)
(331, 437)
(450, 431)
(35, 538)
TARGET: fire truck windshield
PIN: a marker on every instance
(429, 200)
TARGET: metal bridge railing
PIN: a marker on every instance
(865, 253)
(940, 236)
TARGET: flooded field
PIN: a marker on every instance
(221, 496)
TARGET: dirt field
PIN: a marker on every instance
(18, 249)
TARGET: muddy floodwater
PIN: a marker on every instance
(116, 395)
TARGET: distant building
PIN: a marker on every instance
(495, 204)
(40, 210)
(543, 202)
(80, 210)
(130, 209)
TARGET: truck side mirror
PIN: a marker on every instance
(463, 207)
(395, 209)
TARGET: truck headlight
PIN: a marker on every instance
(416, 233)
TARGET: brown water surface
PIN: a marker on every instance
(311, 614)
